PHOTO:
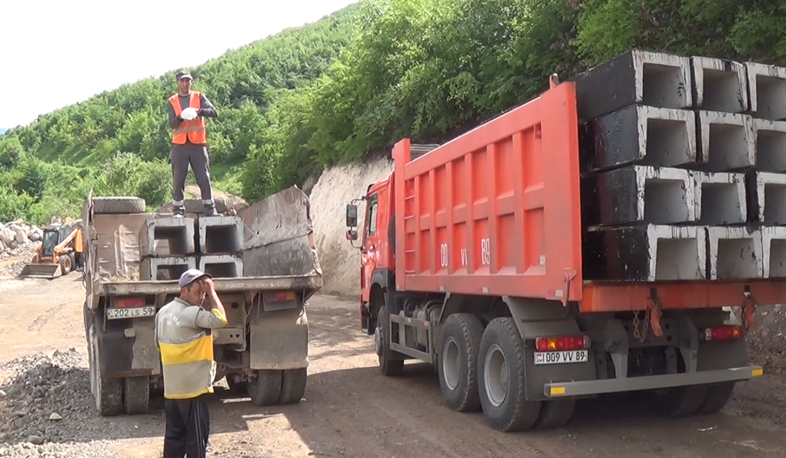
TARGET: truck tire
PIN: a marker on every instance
(293, 385)
(265, 388)
(458, 362)
(717, 398)
(389, 363)
(108, 393)
(681, 401)
(118, 205)
(502, 378)
(136, 394)
(555, 414)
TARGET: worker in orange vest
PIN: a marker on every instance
(187, 112)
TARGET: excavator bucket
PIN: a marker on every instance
(39, 270)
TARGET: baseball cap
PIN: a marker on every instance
(184, 74)
(190, 276)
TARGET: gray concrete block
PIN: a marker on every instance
(638, 194)
(635, 77)
(770, 143)
(720, 198)
(645, 253)
(641, 135)
(221, 266)
(170, 268)
(719, 84)
(767, 193)
(726, 141)
(774, 248)
(167, 236)
(735, 253)
(767, 88)
(221, 234)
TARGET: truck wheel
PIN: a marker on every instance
(108, 393)
(458, 362)
(293, 385)
(265, 388)
(680, 401)
(118, 205)
(717, 398)
(136, 394)
(502, 378)
(387, 364)
(555, 414)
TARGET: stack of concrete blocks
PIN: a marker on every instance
(220, 245)
(683, 168)
(167, 248)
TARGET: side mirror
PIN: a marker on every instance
(352, 215)
(352, 235)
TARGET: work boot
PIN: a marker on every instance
(210, 210)
(178, 211)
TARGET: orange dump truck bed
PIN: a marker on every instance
(497, 211)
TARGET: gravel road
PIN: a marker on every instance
(349, 410)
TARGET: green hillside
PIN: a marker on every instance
(354, 83)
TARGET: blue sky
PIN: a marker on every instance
(55, 53)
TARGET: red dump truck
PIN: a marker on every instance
(472, 260)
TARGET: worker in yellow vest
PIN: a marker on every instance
(187, 112)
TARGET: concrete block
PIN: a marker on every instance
(770, 144)
(221, 266)
(719, 84)
(766, 198)
(726, 141)
(774, 249)
(635, 77)
(170, 268)
(221, 234)
(720, 198)
(645, 253)
(735, 253)
(643, 135)
(638, 194)
(767, 88)
(167, 236)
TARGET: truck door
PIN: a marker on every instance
(369, 251)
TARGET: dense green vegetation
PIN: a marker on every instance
(353, 84)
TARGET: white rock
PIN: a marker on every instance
(35, 236)
(21, 237)
(7, 235)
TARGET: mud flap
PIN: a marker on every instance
(535, 318)
(133, 348)
(279, 339)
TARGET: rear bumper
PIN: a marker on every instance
(617, 385)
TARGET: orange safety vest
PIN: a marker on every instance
(194, 129)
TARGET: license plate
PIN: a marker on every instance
(136, 312)
(561, 357)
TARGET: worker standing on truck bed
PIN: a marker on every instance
(188, 368)
(187, 112)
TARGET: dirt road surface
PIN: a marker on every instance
(351, 410)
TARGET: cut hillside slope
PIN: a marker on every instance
(336, 187)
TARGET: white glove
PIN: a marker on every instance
(189, 114)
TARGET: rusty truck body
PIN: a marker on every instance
(265, 268)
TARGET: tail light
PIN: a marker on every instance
(561, 343)
(129, 302)
(279, 296)
(724, 333)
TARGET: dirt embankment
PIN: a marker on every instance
(335, 188)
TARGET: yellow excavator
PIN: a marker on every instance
(60, 252)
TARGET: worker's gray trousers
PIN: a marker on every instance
(196, 155)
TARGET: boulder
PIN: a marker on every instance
(7, 235)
